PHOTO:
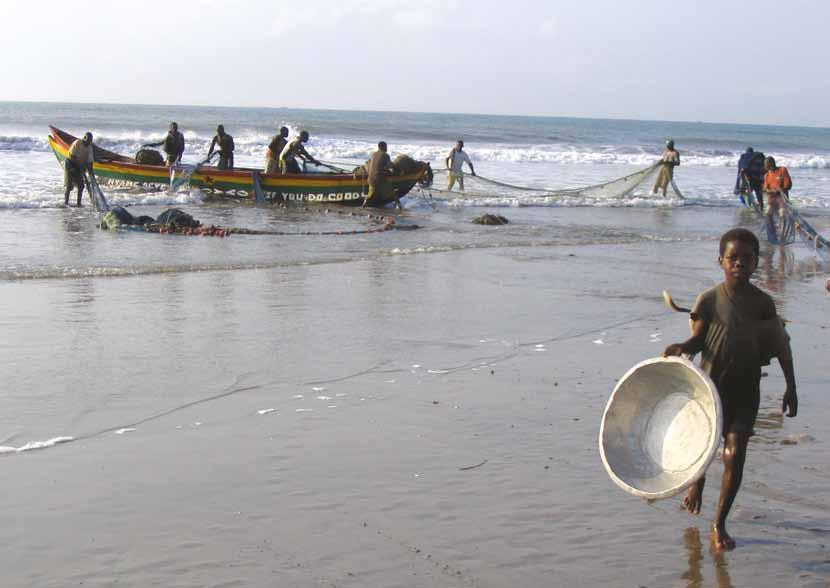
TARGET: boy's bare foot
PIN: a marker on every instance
(694, 496)
(721, 540)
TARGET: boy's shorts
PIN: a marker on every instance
(740, 399)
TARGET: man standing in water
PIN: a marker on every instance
(378, 168)
(275, 147)
(225, 143)
(455, 160)
(777, 186)
(668, 161)
(78, 161)
(173, 144)
(750, 177)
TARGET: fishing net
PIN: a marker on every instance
(96, 195)
(795, 224)
(640, 184)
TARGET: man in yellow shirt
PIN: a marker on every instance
(78, 161)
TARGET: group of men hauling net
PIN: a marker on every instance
(281, 157)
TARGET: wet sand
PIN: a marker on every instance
(424, 420)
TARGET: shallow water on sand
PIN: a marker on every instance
(415, 409)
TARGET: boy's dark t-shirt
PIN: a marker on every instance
(744, 332)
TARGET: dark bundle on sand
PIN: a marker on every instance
(490, 219)
(171, 218)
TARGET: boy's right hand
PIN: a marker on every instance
(674, 349)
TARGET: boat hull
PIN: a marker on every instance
(113, 169)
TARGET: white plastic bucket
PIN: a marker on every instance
(661, 427)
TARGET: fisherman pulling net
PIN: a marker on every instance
(635, 185)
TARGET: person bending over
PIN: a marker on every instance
(77, 163)
(295, 149)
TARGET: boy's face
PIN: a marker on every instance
(738, 262)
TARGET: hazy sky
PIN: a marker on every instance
(752, 61)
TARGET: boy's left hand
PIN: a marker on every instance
(791, 402)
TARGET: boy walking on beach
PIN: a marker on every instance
(736, 329)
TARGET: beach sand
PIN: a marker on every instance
(318, 425)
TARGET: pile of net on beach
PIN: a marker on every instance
(635, 185)
(178, 222)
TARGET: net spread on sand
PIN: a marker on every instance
(636, 185)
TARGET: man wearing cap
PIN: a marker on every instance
(225, 143)
(668, 161)
(78, 161)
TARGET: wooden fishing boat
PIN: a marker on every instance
(337, 188)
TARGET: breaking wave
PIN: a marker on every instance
(252, 144)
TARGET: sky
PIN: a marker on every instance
(754, 61)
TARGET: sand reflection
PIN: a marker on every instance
(694, 575)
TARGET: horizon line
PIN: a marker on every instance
(550, 116)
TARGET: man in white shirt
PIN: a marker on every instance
(454, 161)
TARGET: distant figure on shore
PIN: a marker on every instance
(78, 162)
(777, 186)
(668, 161)
(173, 145)
(295, 149)
(379, 166)
(455, 160)
(736, 329)
(225, 143)
(750, 177)
(275, 147)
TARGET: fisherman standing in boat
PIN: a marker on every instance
(668, 161)
(455, 160)
(378, 167)
(173, 145)
(225, 143)
(78, 161)
(295, 149)
(750, 177)
(272, 156)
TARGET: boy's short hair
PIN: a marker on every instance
(742, 236)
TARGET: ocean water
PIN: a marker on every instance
(538, 152)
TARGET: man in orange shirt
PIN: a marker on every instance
(777, 186)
